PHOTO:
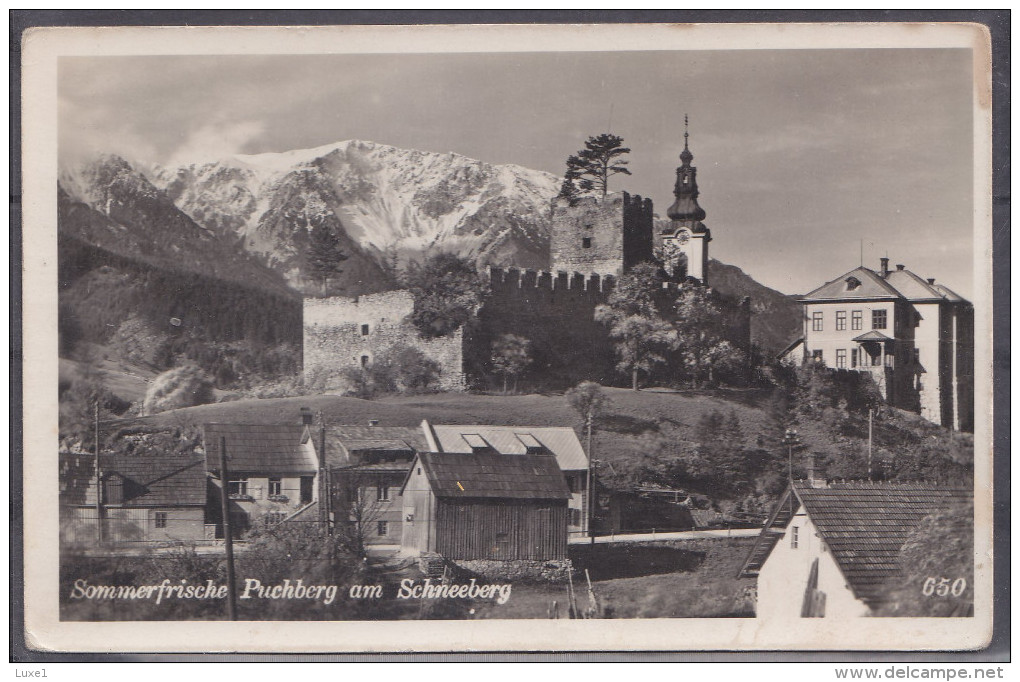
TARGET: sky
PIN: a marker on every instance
(802, 155)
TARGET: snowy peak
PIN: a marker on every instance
(385, 202)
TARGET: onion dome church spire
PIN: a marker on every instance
(685, 208)
(684, 241)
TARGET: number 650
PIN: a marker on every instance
(940, 587)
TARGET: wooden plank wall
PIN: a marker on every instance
(502, 529)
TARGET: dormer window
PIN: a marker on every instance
(852, 283)
(477, 443)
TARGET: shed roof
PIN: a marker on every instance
(490, 475)
(261, 448)
(865, 524)
(560, 441)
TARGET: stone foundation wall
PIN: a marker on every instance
(517, 571)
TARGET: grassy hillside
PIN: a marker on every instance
(639, 428)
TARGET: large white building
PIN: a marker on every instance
(914, 336)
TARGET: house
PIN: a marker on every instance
(367, 465)
(145, 498)
(273, 470)
(831, 550)
(559, 441)
(485, 505)
(913, 336)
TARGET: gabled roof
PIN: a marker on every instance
(560, 441)
(261, 448)
(166, 480)
(863, 524)
(873, 335)
(871, 286)
(484, 475)
(344, 439)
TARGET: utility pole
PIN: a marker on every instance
(99, 479)
(591, 483)
(228, 538)
(871, 412)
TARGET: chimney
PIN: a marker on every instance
(816, 471)
(931, 280)
(306, 416)
(885, 267)
(373, 422)
(900, 266)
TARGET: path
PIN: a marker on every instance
(679, 535)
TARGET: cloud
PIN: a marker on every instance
(217, 140)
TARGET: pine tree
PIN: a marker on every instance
(600, 159)
(324, 253)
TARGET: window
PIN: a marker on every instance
(572, 484)
(364, 330)
(816, 355)
(364, 361)
(586, 243)
(160, 519)
(816, 322)
(794, 537)
(852, 283)
(382, 528)
(917, 356)
(275, 487)
(878, 319)
(858, 319)
(853, 357)
(382, 493)
(575, 517)
(238, 487)
(841, 358)
(840, 320)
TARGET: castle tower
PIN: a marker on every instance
(606, 236)
(685, 240)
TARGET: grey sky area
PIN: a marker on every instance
(801, 154)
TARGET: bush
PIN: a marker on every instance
(184, 386)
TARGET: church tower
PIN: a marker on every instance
(685, 240)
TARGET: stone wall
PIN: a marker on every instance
(517, 571)
(556, 312)
(344, 332)
(605, 236)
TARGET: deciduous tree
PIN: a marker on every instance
(641, 335)
(447, 292)
(511, 355)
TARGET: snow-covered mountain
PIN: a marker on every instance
(385, 202)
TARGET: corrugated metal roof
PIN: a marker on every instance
(489, 475)
(261, 448)
(561, 441)
(865, 524)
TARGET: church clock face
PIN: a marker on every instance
(683, 236)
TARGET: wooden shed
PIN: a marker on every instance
(485, 506)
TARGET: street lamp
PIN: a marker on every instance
(791, 438)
